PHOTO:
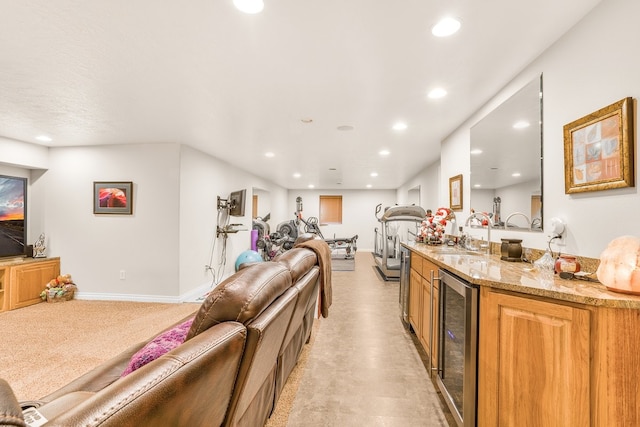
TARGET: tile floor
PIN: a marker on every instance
(364, 368)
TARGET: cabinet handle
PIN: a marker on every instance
(431, 279)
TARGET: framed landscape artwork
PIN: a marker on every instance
(113, 197)
(455, 192)
(598, 149)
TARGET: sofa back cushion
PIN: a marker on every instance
(298, 261)
(243, 296)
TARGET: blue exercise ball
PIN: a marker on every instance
(247, 257)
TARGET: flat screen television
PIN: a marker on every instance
(13, 215)
(236, 203)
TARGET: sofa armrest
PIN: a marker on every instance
(190, 385)
(100, 377)
(10, 410)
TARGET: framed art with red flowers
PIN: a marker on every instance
(598, 149)
(111, 197)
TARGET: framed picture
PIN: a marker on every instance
(455, 193)
(113, 197)
(598, 149)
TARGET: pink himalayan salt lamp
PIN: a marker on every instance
(619, 268)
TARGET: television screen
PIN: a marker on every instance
(236, 203)
(13, 212)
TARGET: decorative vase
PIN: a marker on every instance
(567, 263)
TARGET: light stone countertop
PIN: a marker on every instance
(490, 270)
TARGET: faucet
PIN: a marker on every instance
(482, 216)
(506, 223)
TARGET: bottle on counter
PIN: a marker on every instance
(567, 263)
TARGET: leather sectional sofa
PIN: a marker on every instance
(240, 348)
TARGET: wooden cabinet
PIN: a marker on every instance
(543, 361)
(423, 307)
(22, 281)
(533, 362)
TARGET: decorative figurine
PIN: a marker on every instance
(39, 247)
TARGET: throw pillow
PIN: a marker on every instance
(158, 346)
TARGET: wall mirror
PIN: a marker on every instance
(506, 161)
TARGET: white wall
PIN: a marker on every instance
(202, 179)
(164, 246)
(592, 66)
(358, 212)
(95, 248)
(23, 154)
(429, 182)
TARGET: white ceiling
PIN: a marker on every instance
(201, 73)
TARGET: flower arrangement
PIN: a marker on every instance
(433, 229)
(61, 288)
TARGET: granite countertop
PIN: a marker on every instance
(491, 271)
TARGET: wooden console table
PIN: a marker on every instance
(22, 280)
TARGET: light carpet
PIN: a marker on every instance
(47, 345)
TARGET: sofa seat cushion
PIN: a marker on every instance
(163, 343)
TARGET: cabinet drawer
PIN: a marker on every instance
(427, 267)
(416, 262)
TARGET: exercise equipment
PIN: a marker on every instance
(386, 251)
(247, 257)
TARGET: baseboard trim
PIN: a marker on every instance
(189, 297)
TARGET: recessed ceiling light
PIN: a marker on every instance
(515, 174)
(249, 6)
(311, 186)
(476, 151)
(43, 138)
(384, 152)
(345, 127)
(369, 186)
(521, 124)
(296, 175)
(446, 27)
(374, 174)
(437, 93)
(477, 186)
(269, 154)
(400, 126)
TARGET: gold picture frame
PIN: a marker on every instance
(598, 149)
(455, 193)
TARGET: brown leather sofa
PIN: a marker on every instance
(243, 343)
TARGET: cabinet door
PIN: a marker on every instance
(415, 303)
(4, 294)
(425, 323)
(27, 281)
(533, 362)
(427, 268)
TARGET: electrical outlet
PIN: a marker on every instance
(123, 275)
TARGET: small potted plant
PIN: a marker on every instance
(59, 289)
